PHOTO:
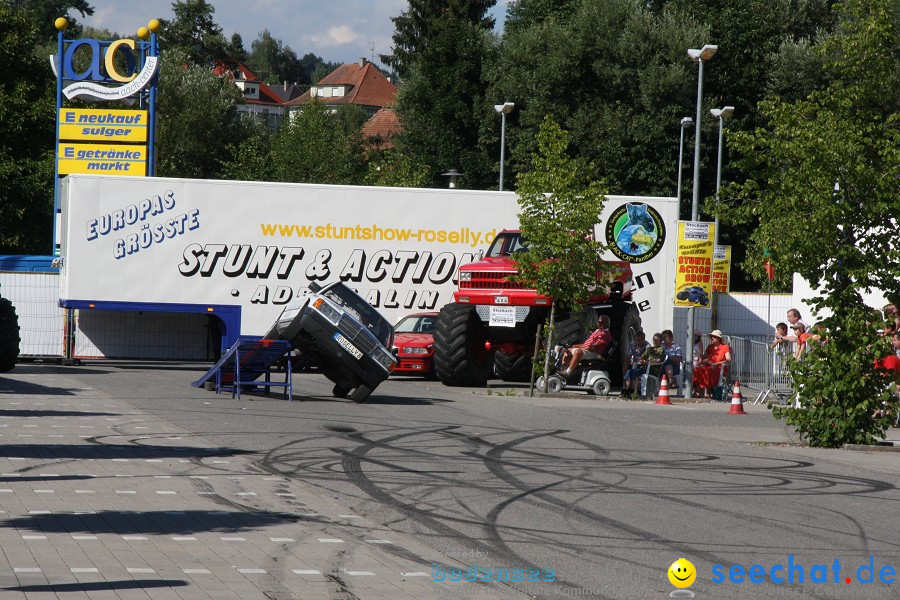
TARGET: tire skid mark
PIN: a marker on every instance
(352, 467)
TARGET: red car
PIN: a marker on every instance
(414, 344)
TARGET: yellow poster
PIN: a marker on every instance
(103, 124)
(722, 269)
(693, 273)
(102, 159)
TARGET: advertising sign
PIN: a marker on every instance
(109, 159)
(694, 257)
(140, 69)
(722, 269)
(103, 125)
(255, 245)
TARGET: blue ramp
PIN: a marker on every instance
(249, 359)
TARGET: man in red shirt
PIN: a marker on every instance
(593, 347)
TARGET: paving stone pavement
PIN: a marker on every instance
(101, 501)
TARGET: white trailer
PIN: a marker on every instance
(238, 251)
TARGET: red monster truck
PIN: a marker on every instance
(492, 324)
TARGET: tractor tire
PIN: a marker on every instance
(575, 328)
(460, 358)
(515, 367)
(9, 336)
(625, 321)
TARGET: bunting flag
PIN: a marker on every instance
(770, 269)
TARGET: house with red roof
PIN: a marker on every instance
(379, 131)
(359, 84)
(259, 98)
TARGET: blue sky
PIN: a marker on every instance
(336, 30)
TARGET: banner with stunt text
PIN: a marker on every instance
(722, 269)
(694, 261)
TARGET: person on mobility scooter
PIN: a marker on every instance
(587, 368)
(593, 348)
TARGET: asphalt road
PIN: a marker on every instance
(606, 494)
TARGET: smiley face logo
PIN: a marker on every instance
(682, 573)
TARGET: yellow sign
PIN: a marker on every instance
(100, 124)
(693, 273)
(722, 269)
(102, 159)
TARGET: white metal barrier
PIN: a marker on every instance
(42, 322)
(760, 367)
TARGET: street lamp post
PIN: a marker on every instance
(504, 109)
(698, 56)
(685, 123)
(721, 114)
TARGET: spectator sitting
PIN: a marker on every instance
(716, 359)
(655, 353)
(633, 375)
(674, 356)
(593, 347)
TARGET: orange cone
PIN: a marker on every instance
(737, 401)
(663, 397)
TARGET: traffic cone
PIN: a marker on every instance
(663, 397)
(737, 401)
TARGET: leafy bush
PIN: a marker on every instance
(844, 399)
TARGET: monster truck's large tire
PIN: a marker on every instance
(575, 328)
(460, 358)
(9, 336)
(625, 321)
(514, 367)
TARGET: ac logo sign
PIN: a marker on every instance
(117, 62)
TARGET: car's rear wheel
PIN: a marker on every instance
(339, 391)
(361, 393)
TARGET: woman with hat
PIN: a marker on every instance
(716, 358)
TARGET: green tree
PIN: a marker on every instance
(250, 157)
(313, 68)
(833, 160)
(560, 203)
(442, 102)
(198, 120)
(272, 61)
(236, 48)
(43, 14)
(616, 75)
(194, 30)
(419, 24)
(613, 73)
(313, 147)
(27, 105)
(394, 169)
